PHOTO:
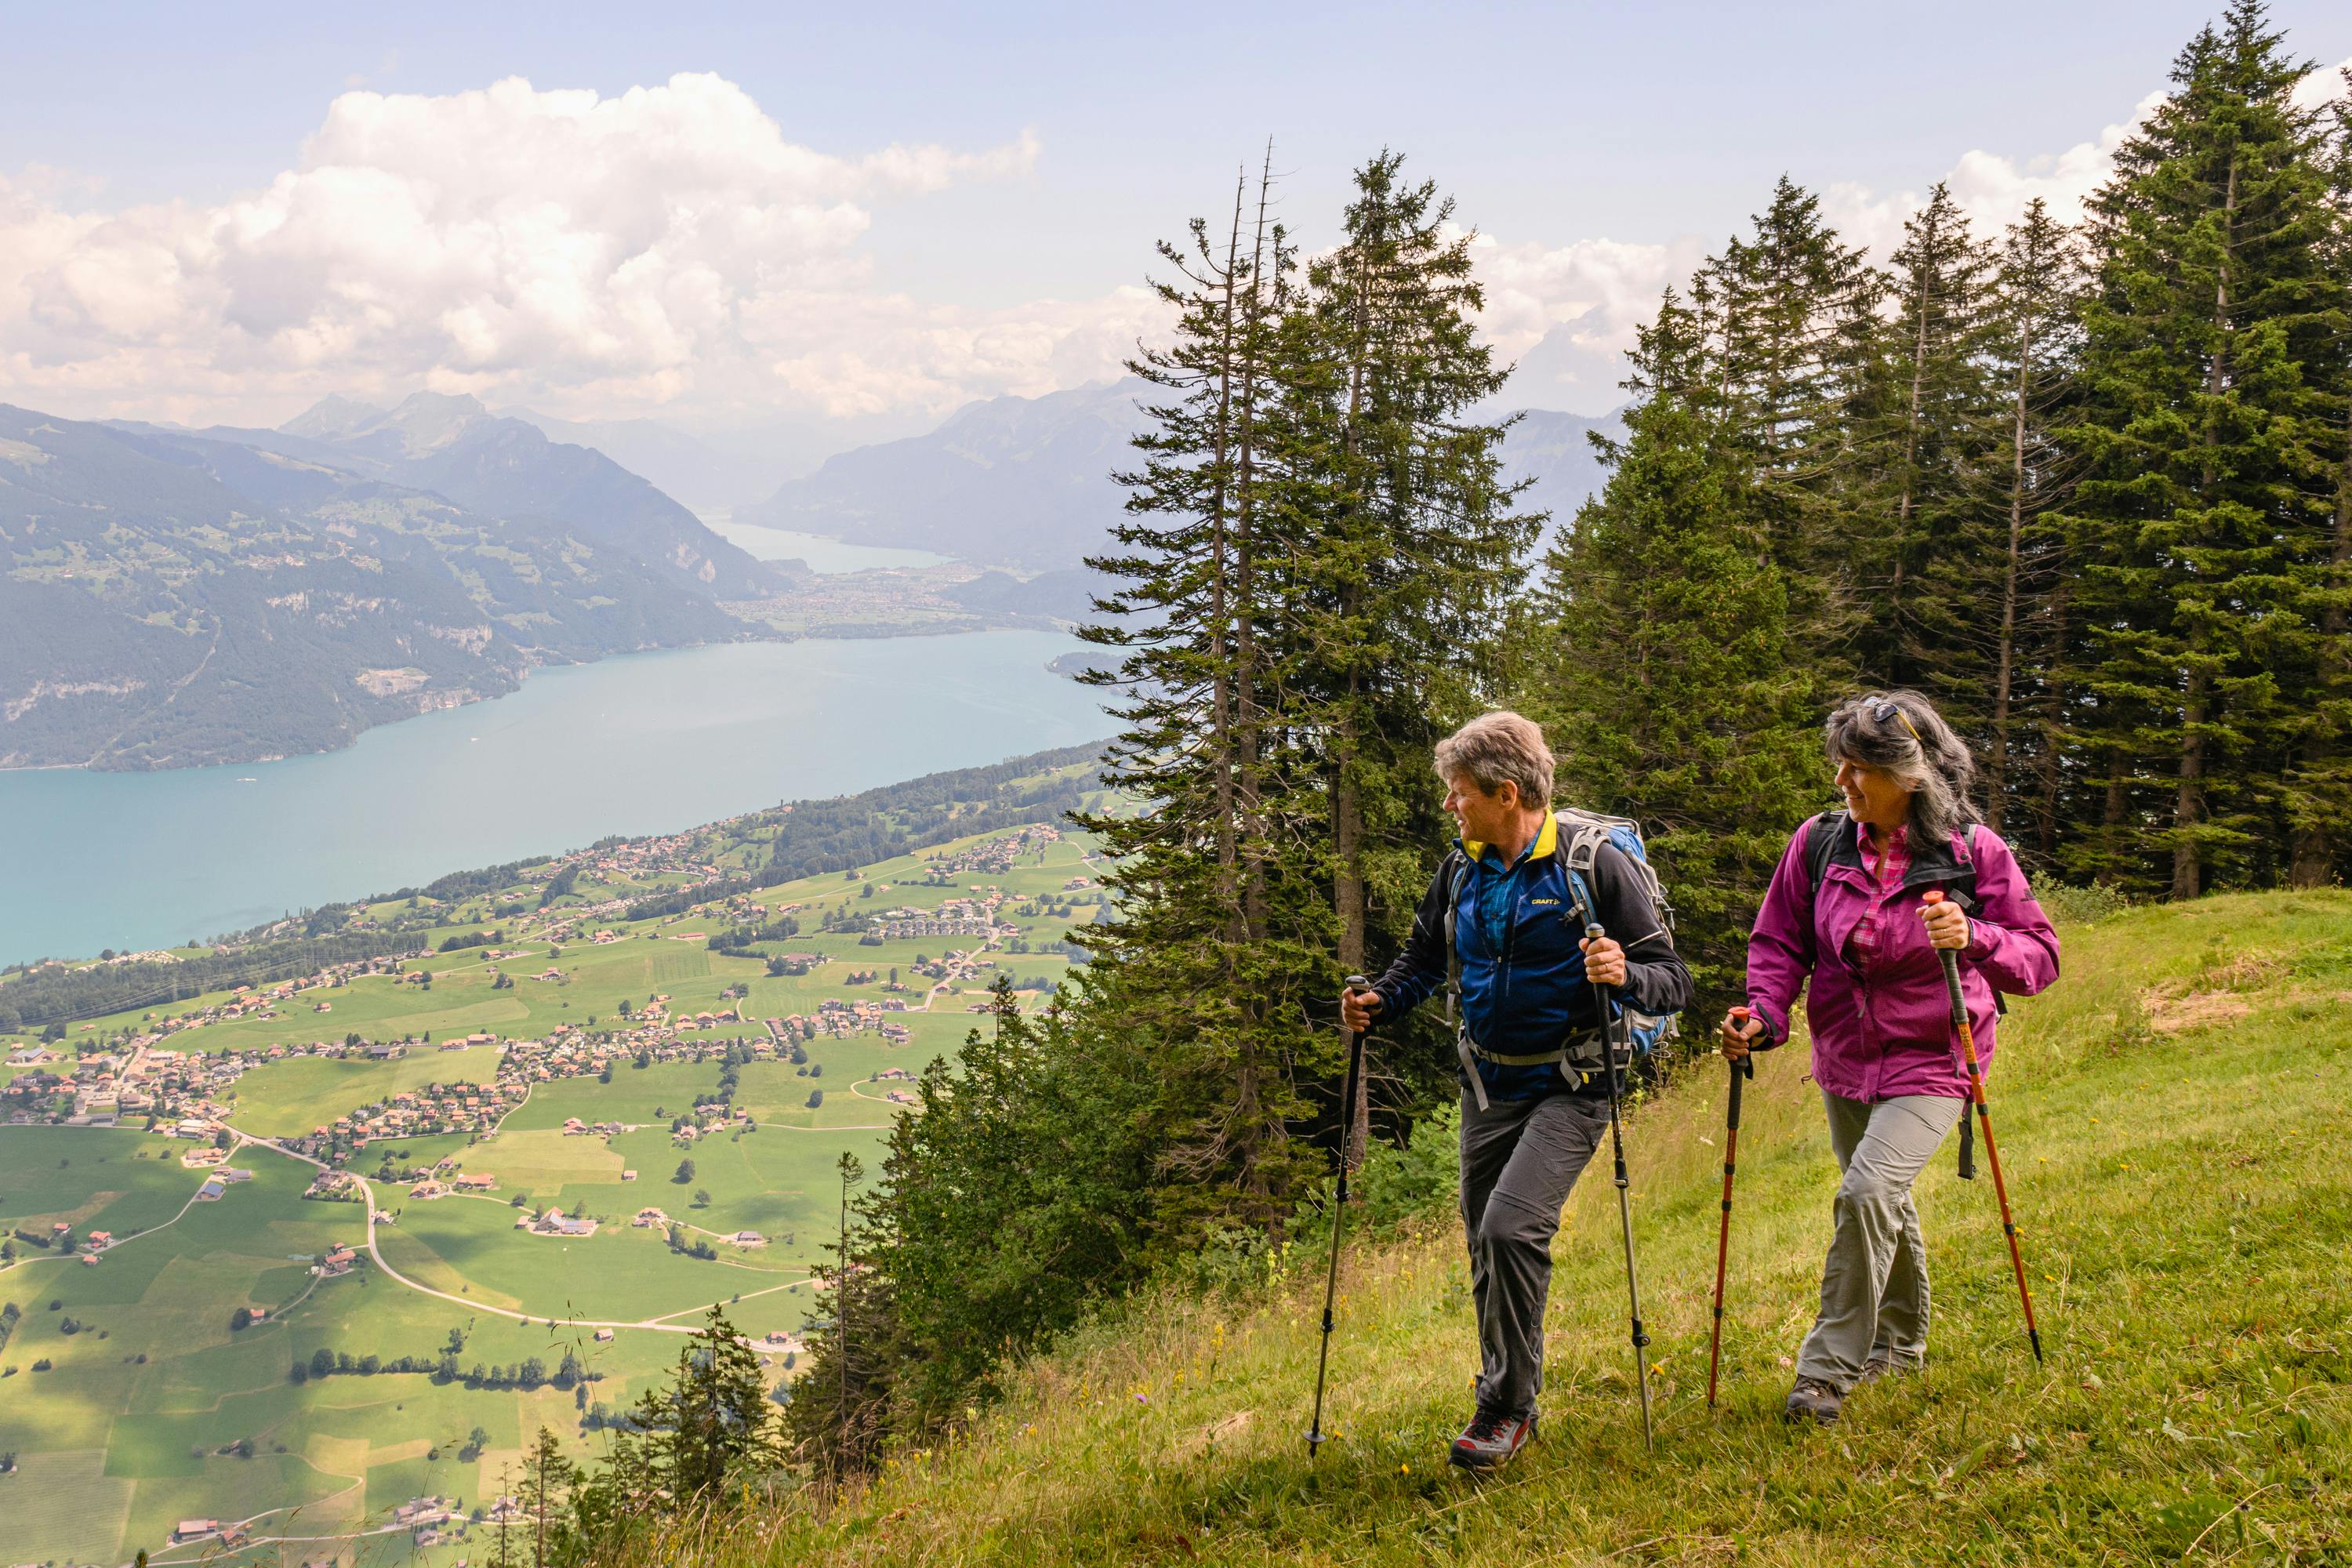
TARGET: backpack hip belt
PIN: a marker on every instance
(1472, 1052)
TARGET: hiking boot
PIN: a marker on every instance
(1813, 1400)
(1490, 1442)
(1883, 1364)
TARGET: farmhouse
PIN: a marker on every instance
(556, 1222)
(474, 1182)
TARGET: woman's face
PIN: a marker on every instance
(1872, 794)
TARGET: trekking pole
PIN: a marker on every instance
(1984, 1121)
(1744, 1067)
(1315, 1435)
(1624, 1201)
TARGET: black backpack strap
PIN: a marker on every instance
(1820, 843)
(1456, 869)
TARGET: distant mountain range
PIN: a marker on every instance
(173, 597)
(720, 471)
(454, 447)
(1024, 482)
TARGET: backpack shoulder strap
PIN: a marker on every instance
(1456, 869)
(1820, 843)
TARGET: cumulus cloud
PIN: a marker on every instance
(667, 246)
(1994, 190)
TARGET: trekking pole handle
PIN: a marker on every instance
(1931, 897)
(1745, 1067)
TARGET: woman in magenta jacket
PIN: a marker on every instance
(1843, 921)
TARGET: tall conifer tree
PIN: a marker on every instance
(1792, 314)
(1410, 537)
(2319, 791)
(2206, 506)
(1933, 439)
(1664, 667)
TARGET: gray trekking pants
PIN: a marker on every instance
(1520, 1159)
(1874, 1285)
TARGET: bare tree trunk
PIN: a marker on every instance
(1221, 694)
(1997, 773)
(2111, 816)
(1347, 802)
(1896, 673)
(2054, 724)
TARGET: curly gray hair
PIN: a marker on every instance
(1496, 747)
(1900, 733)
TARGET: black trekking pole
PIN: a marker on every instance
(1624, 1201)
(1984, 1121)
(1744, 1067)
(1315, 1436)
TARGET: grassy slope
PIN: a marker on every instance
(2173, 1122)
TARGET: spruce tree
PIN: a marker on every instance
(1664, 673)
(1212, 951)
(1933, 441)
(2206, 509)
(2319, 791)
(2033, 341)
(1409, 538)
(1791, 316)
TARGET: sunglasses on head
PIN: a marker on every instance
(1880, 710)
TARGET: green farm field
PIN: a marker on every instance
(155, 1409)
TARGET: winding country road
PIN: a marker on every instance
(367, 1199)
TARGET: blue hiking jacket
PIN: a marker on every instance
(1516, 935)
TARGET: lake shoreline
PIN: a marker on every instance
(639, 743)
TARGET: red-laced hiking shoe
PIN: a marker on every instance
(1490, 1442)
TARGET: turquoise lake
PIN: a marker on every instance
(645, 744)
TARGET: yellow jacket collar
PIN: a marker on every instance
(1547, 841)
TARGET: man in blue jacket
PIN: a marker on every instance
(1534, 1088)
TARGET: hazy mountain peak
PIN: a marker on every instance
(333, 417)
(422, 423)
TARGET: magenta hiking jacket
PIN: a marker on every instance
(1888, 1031)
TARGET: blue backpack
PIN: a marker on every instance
(1584, 833)
(1581, 834)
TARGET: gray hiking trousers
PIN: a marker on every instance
(1520, 1159)
(1874, 1285)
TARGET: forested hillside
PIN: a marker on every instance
(168, 600)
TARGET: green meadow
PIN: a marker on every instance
(155, 1409)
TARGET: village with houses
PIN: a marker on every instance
(575, 1103)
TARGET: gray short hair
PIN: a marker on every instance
(1900, 733)
(1497, 748)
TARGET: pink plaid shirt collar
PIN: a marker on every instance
(1885, 859)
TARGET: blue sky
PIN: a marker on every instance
(1658, 126)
